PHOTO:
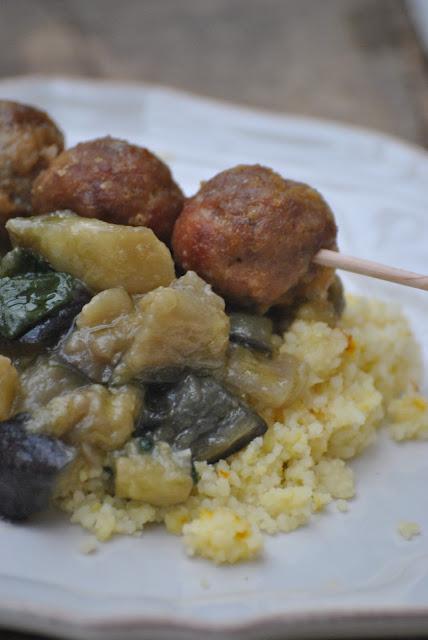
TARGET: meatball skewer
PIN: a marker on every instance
(112, 180)
(263, 241)
(253, 236)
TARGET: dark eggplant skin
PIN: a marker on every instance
(29, 467)
(201, 414)
(19, 261)
(48, 332)
(38, 303)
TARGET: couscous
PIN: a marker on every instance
(364, 369)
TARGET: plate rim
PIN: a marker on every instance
(338, 125)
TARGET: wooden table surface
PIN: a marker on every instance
(357, 61)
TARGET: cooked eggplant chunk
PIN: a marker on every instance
(181, 326)
(103, 330)
(250, 330)
(19, 261)
(90, 415)
(200, 414)
(102, 255)
(37, 304)
(271, 382)
(161, 477)
(27, 299)
(152, 338)
(30, 465)
(47, 332)
(44, 379)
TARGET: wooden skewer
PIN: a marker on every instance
(337, 260)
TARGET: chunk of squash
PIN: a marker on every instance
(102, 255)
(104, 329)
(91, 415)
(161, 477)
(181, 326)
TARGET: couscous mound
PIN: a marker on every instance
(366, 368)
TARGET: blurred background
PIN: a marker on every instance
(358, 61)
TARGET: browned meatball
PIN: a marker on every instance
(252, 235)
(111, 180)
(29, 141)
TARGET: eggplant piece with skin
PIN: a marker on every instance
(252, 331)
(48, 332)
(200, 414)
(37, 304)
(30, 465)
(19, 261)
(26, 300)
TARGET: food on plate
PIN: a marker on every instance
(101, 255)
(29, 467)
(161, 477)
(154, 338)
(29, 141)
(223, 401)
(408, 530)
(200, 415)
(111, 180)
(252, 235)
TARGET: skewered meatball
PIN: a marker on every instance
(252, 235)
(114, 181)
(29, 141)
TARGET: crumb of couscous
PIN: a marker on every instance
(408, 530)
(409, 417)
(342, 506)
(359, 372)
(222, 536)
(88, 545)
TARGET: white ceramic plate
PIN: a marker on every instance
(342, 574)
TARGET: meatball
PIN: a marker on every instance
(252, 235)
(29, 141)
(114, 181)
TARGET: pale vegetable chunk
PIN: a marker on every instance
(181, 326)
(91, 415)
(9, 384)
(44, 379)
(272, 382)
(104, 329)
(161, 477)
(102, 255)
